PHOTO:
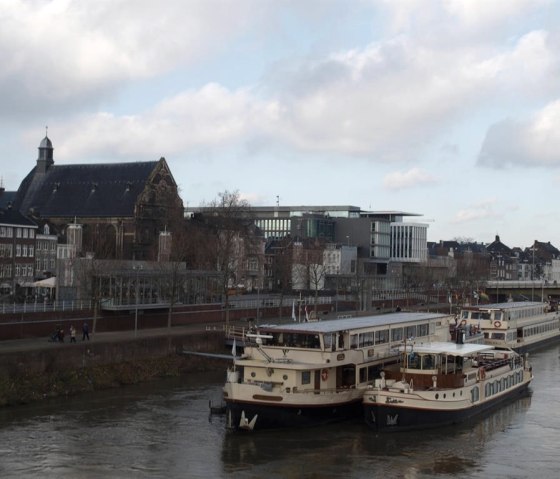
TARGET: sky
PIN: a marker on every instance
(448, 109)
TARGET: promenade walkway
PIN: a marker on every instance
(37, 344)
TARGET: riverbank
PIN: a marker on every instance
(32, 370)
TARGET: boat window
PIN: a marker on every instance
(397, 334)
(475, 394)
(423, 329)
(354, 341)
(381, 336)
(428, 361)
(413, 361)
(373, 372)
(500, 336)
(411, 331)
(366, 339)
(348, 376)
(464, 315)
(498, 315)
(295, 340)
(306, 377)
(328, 340)
(363, 375)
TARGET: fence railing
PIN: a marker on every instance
(38, 307)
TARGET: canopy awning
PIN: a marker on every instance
(46, 283)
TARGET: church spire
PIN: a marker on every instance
(45, 153)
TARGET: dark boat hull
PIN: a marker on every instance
(271, 416)
(394, 418)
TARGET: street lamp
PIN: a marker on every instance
(533, 275)
(137, 268)
(258, 304)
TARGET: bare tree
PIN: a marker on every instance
(308, 270)
(230, 235)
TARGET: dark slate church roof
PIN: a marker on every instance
(7, 198)
(90, 190)
(10, 216)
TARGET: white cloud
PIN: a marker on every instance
(387, 101)
(460, 16)
(212, 117)
(62, 53)
(531, 142)
(408, 179)
(478, 211)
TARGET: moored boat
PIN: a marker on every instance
(304, 374)
(444, 383)
(522, 326)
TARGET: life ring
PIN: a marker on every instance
(325, 374)
(497, 324)
(481, 374)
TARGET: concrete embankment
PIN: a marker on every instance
(54, 370)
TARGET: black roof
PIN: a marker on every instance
(108, 189)
(7, 198)
(10, 216)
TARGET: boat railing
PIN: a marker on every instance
(296, 390)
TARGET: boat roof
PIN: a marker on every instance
(506, 306)
(334, 325)
(451, 349)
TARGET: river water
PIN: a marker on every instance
(163, 430)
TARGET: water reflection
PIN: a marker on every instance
(162, 430)
(347, 450)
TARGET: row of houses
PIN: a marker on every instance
(128, 212)
(498, 262)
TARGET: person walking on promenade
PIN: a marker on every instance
(85, 331)
(72, 334)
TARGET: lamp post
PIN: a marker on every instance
(258, 304)
(137, 269)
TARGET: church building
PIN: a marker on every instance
(122, 207)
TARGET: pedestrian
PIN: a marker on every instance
(61, 335)
(72, 334)
(85, 331)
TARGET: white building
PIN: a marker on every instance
(409, 242)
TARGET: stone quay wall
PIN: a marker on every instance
(63, 370)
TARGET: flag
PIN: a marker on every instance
(294, 310)
(306, 314)
(234, 349)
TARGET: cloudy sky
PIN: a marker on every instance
(449, 109)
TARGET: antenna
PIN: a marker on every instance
(277, 200)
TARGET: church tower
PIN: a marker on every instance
(45, 155)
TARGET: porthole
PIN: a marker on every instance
(253, 374)
(444, 396)
(437, 396)
(285, 377)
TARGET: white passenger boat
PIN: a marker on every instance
(522, 326)
(303, 374)
(444, 383)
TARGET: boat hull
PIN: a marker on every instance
(395, 417)
(240, 414)
(535, 346)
